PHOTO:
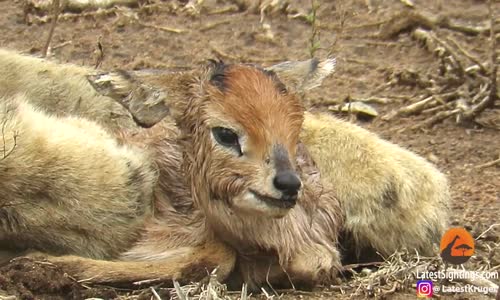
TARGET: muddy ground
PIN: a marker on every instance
(366, 61)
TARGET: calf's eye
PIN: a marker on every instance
(227, 138)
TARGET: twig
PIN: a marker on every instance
(448, 51)
(362, 62)
(155, 294)
(62, 45)
(244, 292)
(391, 290)
(266, 293)
(56, 10)
(410, 109)
(468, 55)
(213, 25)
(268, 282)
(440, 116)
(492, 226)
(490, 99)
(435, 109)
(489, 164)
(179, 291)
(146, 281)
(100, 56)
(77, 6)
(369, 264)
(408, 20)
(162, 28)
(373, 99)
(72, 16)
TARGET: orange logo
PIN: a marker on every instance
(457, 246)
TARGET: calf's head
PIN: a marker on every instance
(240, 131)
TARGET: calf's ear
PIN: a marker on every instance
(300, 76)
(147, 104)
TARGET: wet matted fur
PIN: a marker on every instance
(212, 205)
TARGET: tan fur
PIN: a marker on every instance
(64, 90)
(67, 178)
(85, 198)
(392, 197)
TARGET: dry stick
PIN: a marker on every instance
(162, 28)
(449, 51)
(56, 9)
(411, 19)
(72, 16)
(213, 25)
(414, 108)
(436, 118)
(244, 292)
(489, 228)
(178, 290)
(362, 62)
(468, 55)
(62, 45)
(490, 99)
(84, 5)
(100, 57)
(149, 281)
(157, 297)
(489, 164)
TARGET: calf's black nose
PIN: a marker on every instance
(288, 183)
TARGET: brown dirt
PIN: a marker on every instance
(348, 30)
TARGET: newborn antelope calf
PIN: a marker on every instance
(219, 189)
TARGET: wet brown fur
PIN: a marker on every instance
(199, 215)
